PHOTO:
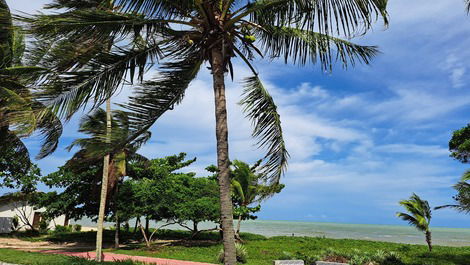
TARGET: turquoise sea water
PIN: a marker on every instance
(389, 233)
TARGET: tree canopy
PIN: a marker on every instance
(459, 145)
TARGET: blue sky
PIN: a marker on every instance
(360, 140)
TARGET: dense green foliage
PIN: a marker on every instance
(20, 114)
(459, 145)
(157, 191)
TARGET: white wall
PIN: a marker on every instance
(19, 209)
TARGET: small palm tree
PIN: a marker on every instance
(419, 215)
(249, 187)
(183, 35)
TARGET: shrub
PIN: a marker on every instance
(62, 229)
(355, 257)
(76, 228)
(242, 254)
(43, 226)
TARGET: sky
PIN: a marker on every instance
(360, 139)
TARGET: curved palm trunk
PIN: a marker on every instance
(223, 161)
(104, 188)
(428, 240)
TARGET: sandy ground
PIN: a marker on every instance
(16, 243)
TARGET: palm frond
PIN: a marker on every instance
(467, 3)
(159, 8)
(304, 46)
(406, 217)
(466, 175)
(348, 17)
(101, 24)
(101, 77)
(260, 108)
(420, 212)
(155, 97)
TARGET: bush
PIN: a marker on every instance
(43, 226)
(242, 254)
(62, 229)
(356, 257)
(76, 228)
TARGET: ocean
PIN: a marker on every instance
(389, 233)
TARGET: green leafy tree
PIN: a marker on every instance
(249, 187)
(20, 114)
(155, 190)
(183, 35)
(419, 215)
(459, 145)
(195, 199)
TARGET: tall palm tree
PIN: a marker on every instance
(181, 36)
(20, 114)
(249, 187)
(419, 215)
(99, 145)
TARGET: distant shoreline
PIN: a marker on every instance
(444, 236)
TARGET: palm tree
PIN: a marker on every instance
(249, 188)
(99, 145)
(419, 215)
(20, 114)
(181, 36)
(462, 198)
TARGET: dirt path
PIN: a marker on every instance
(16, 243)
(121, 257)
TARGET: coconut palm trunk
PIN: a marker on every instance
(223, 163)
(118, 222)
(104, 187)
(429, 240)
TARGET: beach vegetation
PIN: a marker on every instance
(183, 35)
(241, 251)
(418, 215)
(206, 246)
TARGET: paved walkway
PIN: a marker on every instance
(121, 257)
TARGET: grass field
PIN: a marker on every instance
(261, 250)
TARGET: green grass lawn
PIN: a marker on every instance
(261, 250)
(32, 258)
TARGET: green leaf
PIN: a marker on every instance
(260, 108)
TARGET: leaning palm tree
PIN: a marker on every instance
(248, 188)
(180, 36)
(419, 215)
(20, 114)
(100, 144)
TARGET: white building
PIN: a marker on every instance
(16, 204)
